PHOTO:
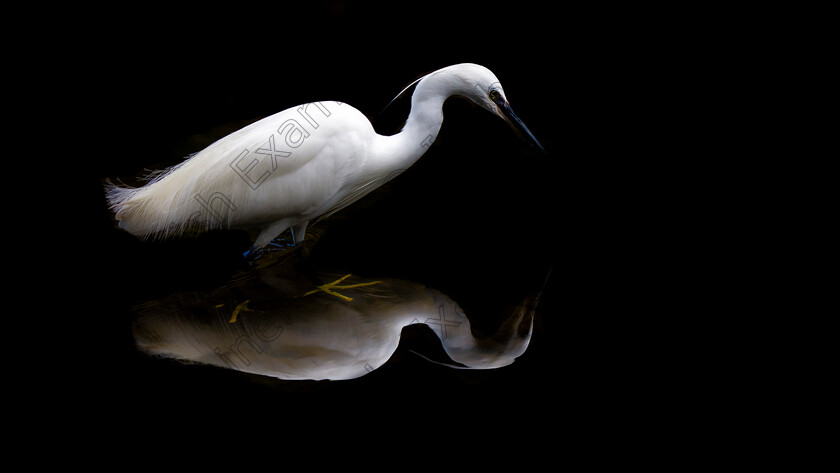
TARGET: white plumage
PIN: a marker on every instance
(300, 164)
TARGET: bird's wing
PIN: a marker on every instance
(245, 177)
(352, 195)
(273, 146)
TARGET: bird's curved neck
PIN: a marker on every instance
(423, 123)
(452, 327)
(426, 116)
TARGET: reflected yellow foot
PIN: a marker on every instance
(328, 288)
(240, 307)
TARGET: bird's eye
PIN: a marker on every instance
(494, 95)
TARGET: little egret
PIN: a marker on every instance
(300, 164)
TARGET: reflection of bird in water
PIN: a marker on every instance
(339, 330)
(303, 163)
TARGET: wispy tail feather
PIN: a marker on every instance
(164, 207)
(119, 199)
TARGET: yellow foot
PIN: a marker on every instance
(238, 308)
(328, 288)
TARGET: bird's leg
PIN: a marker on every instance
(270, 233)
(267, 241)
(256, 252)
(253, 254)
(298, 232)
(280, 242)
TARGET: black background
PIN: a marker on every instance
(481, 217)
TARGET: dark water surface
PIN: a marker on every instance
(477, 219)
(481, 218)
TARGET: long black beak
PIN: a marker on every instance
(515, 122)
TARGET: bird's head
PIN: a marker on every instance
(481, 86)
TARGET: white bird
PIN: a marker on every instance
(300, 164)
